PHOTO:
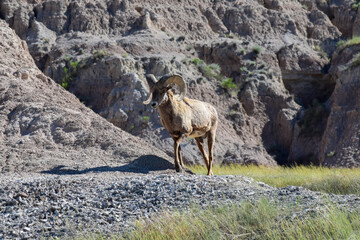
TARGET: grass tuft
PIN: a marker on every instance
(354, 41)
(228, 84)
(257, 49)
(328, 180)
(260, 220)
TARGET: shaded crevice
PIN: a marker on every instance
(308, 86)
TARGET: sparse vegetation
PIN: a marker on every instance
(242, 51)
(99, 54)
(197, 61)
(244, 69)
(321, 52)
(329, 180)
(189, 47)
(262, 72)
(209, 71)
(257, 49)
(353, 41)
(145, 118)
(356, 61)
(124, 55)
(46, 40)
(228, 84)
(70, 72)
(340, 43)
(215, 67)
(330, 154)
(251, 63)
(260, 220)
(356, 5)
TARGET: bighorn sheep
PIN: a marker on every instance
(183, 117)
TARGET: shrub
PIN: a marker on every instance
(70, 73)
(215, 67)
(340, 43)
(197, 61)
(206, 70)
(244, 69)
(146, 118)
(356, 5)
(257, 49)
(99, 54)
(228, 84)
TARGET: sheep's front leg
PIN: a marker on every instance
(177, 153)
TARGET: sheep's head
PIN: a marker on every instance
(158, 89)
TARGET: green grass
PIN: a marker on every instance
(145, 118)
(260, 220)
(257, 49)
(356, 5)
(328, 180)
(353, 41)
(228, 84)
(197, 61)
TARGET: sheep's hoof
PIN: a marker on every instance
(178, 169)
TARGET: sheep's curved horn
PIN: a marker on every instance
(149, 100)
(178, 80)
(151, 80)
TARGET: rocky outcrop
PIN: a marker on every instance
(340, 143)
(43, 126)
(276, 52)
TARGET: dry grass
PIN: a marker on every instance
(259, 220)
(329, 180)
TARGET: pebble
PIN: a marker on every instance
(63, 206)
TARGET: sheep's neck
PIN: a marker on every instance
(169, 109)
(169, 106)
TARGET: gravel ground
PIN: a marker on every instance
(54, 206)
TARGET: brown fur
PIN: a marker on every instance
(189, 118)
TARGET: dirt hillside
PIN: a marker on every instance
(46, 128)
(279, 55)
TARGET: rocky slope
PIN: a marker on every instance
(35, 208)
(276, 52)
(46, 128)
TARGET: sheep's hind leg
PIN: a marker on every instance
(177, 153)
(211, 141)
(180, 158)
(200, 144)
